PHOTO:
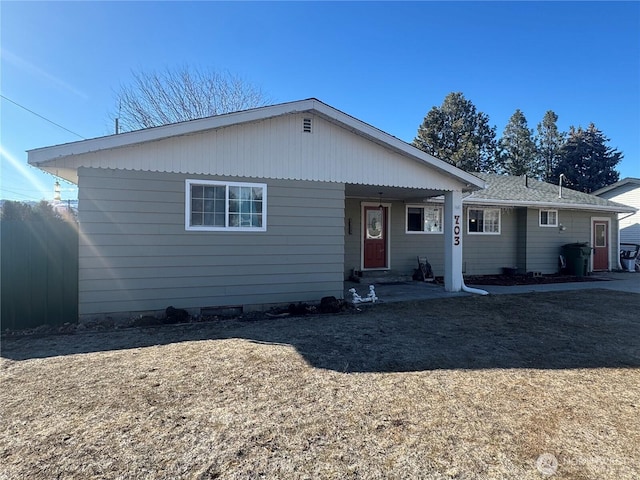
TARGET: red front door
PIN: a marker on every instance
(600, 245)
(375, 237)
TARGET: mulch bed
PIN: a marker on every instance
(512, 280)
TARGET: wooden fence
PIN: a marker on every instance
(38, 273)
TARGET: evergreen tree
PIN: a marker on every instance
(517, 148)
(549, 141)
(14, 210)
(457, 133)
(586, 161)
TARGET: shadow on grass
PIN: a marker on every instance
(585, 329)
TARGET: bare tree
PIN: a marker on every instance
(178, 95)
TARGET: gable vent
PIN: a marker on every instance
(306, 125)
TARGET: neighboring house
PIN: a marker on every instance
(271, 205)
(626, 191)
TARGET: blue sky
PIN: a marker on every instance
(385, 63)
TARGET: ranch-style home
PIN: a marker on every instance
(271, 205)
(282, 203)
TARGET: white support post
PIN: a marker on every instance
(453, 227)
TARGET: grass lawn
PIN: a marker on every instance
(541, 385)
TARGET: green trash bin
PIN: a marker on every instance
(577, 257)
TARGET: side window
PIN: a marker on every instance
(219, 206)
(548, 218)
(423, 219)
(483, 221)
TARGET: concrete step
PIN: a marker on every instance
(381, 277)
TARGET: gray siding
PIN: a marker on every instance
(544, 243)
(352, 240)
(407, 246)
(135, 254)
(521, 240)
(487, 254)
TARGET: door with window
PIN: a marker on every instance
(375, 237)
(600, 245)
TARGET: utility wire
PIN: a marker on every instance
(44, 118)
(29, 197)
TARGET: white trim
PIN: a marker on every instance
(548, 225)
(423, 206)
(609, 233)
(204, 228)
(499, 232)
(363, 228)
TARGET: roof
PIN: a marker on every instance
(505, 190)
(621, 183)
(63, 159)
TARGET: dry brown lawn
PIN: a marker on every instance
(461, 388)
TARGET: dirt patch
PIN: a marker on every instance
(471, 387)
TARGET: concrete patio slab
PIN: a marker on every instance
(407, 291)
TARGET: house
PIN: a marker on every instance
(271, 205)
(281, 204)
(626, 191)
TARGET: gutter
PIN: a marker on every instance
(563, 206)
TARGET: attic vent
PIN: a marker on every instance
(306, 125)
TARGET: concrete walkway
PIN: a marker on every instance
(620, 281)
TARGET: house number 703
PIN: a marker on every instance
(456, 230)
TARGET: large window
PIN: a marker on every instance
(424, 219)
(484, 221)
(548, 218)
(216, 206)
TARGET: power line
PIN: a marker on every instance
(29, 197)
(40, 116)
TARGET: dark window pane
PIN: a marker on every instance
(475, 221)
(196, 205)
(414, 219)
(196, 191)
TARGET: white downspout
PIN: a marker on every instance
(473, 290)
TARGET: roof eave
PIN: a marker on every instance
(43, 155)
(554, 205)
(613, 186)
(472, 183)
(47, 156)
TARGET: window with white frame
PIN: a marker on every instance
(216, 206)
(548, 218)
(483, 221)
(424, 219)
